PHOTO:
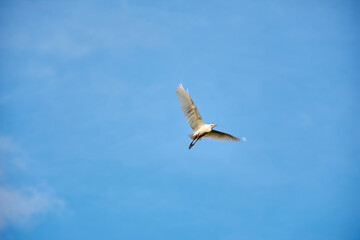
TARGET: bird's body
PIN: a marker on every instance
(205, 128)
(200, 129)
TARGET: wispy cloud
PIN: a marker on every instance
(72, 37)
(20, 207)
(6, 145)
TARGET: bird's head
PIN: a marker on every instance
(213, 125)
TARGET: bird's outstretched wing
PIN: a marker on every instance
(216, 135)
(188, 107)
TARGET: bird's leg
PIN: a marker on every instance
(193, 143)
(196, 139)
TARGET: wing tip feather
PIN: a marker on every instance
(182, 87)
(242, 139)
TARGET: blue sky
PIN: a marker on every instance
(93, 144)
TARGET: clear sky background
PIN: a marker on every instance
(93, 143)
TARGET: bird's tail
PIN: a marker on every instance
(192, 136)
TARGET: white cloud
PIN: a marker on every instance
(6, 145)
(20, 207)
(99, 27)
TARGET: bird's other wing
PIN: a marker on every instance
(188, 107)
(216, 135)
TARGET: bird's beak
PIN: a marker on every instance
(215, 125)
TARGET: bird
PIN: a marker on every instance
(199, 127)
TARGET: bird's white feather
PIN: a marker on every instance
(217, 135)
(188, 107)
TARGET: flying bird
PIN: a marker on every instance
(195, 121)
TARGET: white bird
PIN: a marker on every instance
(196, 123)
